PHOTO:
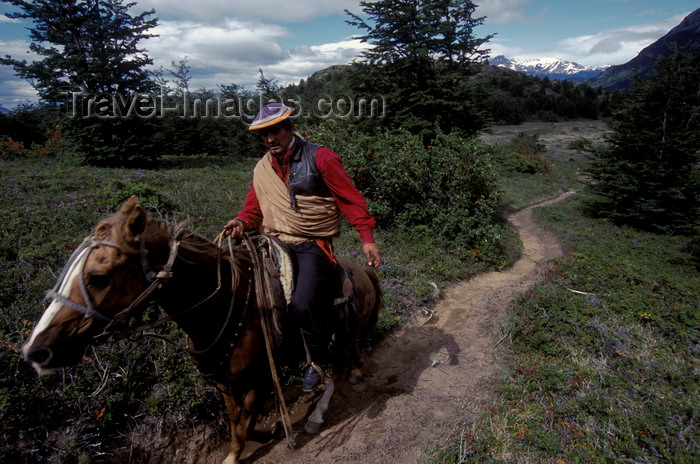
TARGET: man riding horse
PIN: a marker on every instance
(299, 190)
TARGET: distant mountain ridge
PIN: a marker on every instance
(620, 77)
(552, 68)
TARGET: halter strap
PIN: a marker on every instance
(156, 280)
(79, 258)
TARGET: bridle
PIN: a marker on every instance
(78, 258)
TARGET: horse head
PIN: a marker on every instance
(103, 276)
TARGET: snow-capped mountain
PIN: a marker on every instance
(548, 67)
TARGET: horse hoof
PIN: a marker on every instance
(312, 427)
(354, 377)
(230, 460)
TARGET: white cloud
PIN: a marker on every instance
(280, 11)
(611, 46)
(234, 51)
(217, 46)
(14, 91)
(502, 11)
(304, 61)
(616, 46)
(18, 49)
(229, 51)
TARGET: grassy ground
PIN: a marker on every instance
(48, 206)
(600, 362)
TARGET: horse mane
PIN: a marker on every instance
(195, 248)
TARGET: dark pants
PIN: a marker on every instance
(312, 301)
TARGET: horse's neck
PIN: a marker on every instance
(201, 288)
(157, 241)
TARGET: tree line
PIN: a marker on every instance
(99, 98)
(97, 86)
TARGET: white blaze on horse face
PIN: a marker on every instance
(52, 310)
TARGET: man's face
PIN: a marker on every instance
(277, 139)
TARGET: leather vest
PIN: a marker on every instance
(304, 178)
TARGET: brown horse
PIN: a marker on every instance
(210, 291)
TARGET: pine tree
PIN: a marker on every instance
(180, 71)
(650, 176)
(90, 51)
(90, 45)
(423, 52)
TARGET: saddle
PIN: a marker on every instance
(278, 283)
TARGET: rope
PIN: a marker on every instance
(264, 323)
(166, 274)
(79, 258)
(163, 276)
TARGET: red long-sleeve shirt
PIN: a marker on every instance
(348, 198)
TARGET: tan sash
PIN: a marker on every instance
(316, 218)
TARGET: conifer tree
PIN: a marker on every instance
(650, 176)
(423, 52)
(90, 51)
(90, 44)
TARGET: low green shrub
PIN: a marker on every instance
(449, 187)
(521, 154)
(118, 191)
(54, 146)
(581, 143)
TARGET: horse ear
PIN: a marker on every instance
(136, 220)
(130, 204)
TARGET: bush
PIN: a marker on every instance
(449, 186)
(521, 154)
(119, 191)
(113, 142)
(11, 149)
(54, 146)
(581, 144)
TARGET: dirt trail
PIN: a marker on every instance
(425, 381)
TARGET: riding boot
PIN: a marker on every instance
(315, 370)
(313, 377)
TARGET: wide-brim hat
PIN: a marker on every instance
(269, 115)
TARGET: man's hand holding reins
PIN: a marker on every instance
(234, 228)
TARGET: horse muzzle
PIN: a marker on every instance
(40, 358)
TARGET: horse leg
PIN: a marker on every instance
(315, 421)
(369, 304)
(356, 363)
(242, 421)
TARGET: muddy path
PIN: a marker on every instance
(424, 382)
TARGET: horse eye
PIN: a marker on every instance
(98, 280)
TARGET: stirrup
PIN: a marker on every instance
(314, 376)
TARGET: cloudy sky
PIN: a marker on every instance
(227, 41)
